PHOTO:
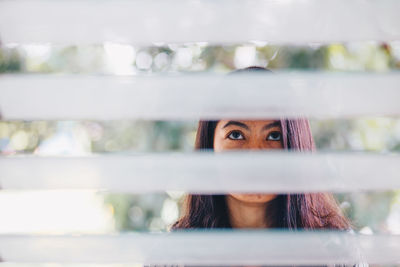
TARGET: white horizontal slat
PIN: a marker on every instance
(207, 96)
(205, 248)
(205, 172)
(221, 21)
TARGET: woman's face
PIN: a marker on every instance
(248, 134)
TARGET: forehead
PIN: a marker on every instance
(249, 123)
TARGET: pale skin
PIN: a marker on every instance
(248, 210)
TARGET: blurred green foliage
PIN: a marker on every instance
(10, 60)
(369, 211)
(131, 60)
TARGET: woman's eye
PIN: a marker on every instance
(274, 136)
(235, 135)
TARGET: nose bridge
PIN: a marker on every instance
(255, 143)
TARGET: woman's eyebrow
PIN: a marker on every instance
(271, 125)
(237, 123)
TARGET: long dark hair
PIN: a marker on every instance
(292, 211)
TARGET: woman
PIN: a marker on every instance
(291, 211)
